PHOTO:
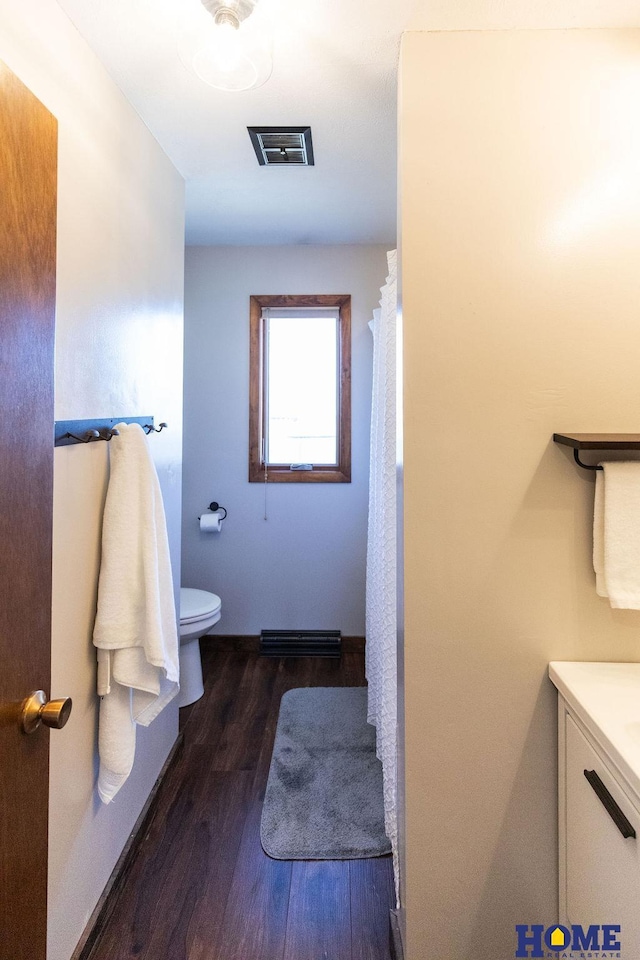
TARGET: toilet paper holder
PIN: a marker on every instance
(216, 506)
(212, 522)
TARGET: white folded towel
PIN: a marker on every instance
(616, 534)
(136, 629)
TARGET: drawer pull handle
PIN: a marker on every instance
(612, 808)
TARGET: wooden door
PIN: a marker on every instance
(28, 176)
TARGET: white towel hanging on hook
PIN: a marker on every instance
(136, 628)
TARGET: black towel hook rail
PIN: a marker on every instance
(88, 431)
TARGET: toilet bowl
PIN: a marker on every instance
(199, 610)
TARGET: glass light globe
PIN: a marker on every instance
(225, 63)
(229, 57)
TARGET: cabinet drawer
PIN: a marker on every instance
(602, 867)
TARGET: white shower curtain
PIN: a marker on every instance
(381, 658)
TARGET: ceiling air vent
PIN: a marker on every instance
(278, 145)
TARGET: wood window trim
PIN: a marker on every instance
(281, 473)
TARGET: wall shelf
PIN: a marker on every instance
(597, 441)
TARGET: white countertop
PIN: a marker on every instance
(606, 698)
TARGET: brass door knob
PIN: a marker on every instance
(36, 709)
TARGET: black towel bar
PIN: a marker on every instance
(585, 466)
(597, 441)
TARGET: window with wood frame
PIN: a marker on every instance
(300, 389)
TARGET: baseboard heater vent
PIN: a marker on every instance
(300, 643)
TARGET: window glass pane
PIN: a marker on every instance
(302, 390)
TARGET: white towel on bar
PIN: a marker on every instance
(136, 629)
(616, 534)
(598, 536)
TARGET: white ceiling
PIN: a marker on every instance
(335, 64)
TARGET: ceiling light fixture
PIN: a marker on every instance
(228, 52)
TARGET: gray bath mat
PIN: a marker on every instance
(324, 793)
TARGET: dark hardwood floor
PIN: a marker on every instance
(201, 887)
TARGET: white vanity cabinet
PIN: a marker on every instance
(599, 796)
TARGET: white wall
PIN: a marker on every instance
(304, 567)
(118, 353)
(520, 242)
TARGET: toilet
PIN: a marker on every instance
(199, 610)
